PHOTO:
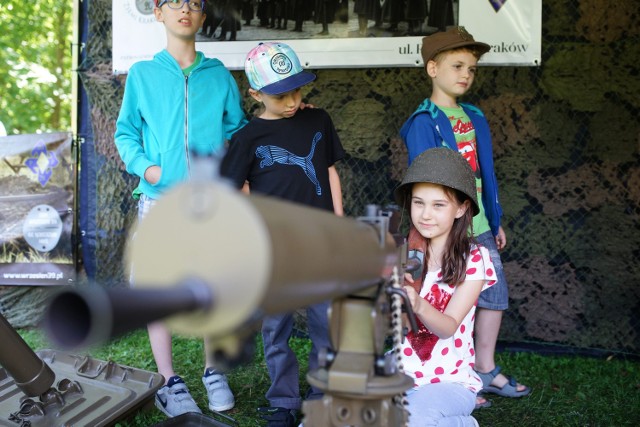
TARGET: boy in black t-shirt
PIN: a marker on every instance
(288, 153)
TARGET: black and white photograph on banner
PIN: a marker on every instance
(236, 20)
(336, 33)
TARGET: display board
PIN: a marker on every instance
(37, 176)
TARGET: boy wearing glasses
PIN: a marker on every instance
(178, 103)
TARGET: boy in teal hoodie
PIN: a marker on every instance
(177, 104)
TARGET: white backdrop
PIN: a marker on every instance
(511, 27)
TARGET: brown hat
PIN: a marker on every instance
(442, 166)
(453, 38)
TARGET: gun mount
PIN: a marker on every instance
(31, 375)
(259, 256)
(87, 391)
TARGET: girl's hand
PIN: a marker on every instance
(415, 299)
(303, 106)
(408, 278)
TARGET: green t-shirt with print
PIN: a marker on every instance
(465, 135)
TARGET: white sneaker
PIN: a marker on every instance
(174, 398)
(220, 396)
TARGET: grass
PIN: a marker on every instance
(13, 253)
(567, 390)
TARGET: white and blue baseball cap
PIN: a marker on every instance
(274, 68)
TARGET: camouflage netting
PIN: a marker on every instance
(567, 145)
(23, 306)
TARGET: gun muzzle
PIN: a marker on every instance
(79, 317)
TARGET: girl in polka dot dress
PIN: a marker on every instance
(439, 192)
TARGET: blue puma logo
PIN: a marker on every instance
(271, 154)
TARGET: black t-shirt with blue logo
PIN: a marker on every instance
(286, 158)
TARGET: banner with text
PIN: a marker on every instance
(37, 175)
(511, 27)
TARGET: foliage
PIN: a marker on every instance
(35, 65)
(567, 390)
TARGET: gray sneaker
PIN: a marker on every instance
(220, 396)
(174, 398)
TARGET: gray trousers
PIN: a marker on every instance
(281, 361)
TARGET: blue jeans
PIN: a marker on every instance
(497, 296)
(281, 361)
(441, 404)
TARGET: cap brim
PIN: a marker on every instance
(289, 84)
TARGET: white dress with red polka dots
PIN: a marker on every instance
(429, 359)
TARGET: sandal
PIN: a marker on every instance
(485, 404)
(510, 389)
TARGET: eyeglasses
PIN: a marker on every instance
(194, 5)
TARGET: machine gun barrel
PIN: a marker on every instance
(257, 255)
(79, 317)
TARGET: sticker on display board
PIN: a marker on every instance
(42, 228)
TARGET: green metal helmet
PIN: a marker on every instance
(439, 166)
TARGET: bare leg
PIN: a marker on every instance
(487, 327)
(160, 339)
(208, 354)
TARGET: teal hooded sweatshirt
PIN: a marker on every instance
(166, 117)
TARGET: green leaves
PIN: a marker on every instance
(35, 65)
